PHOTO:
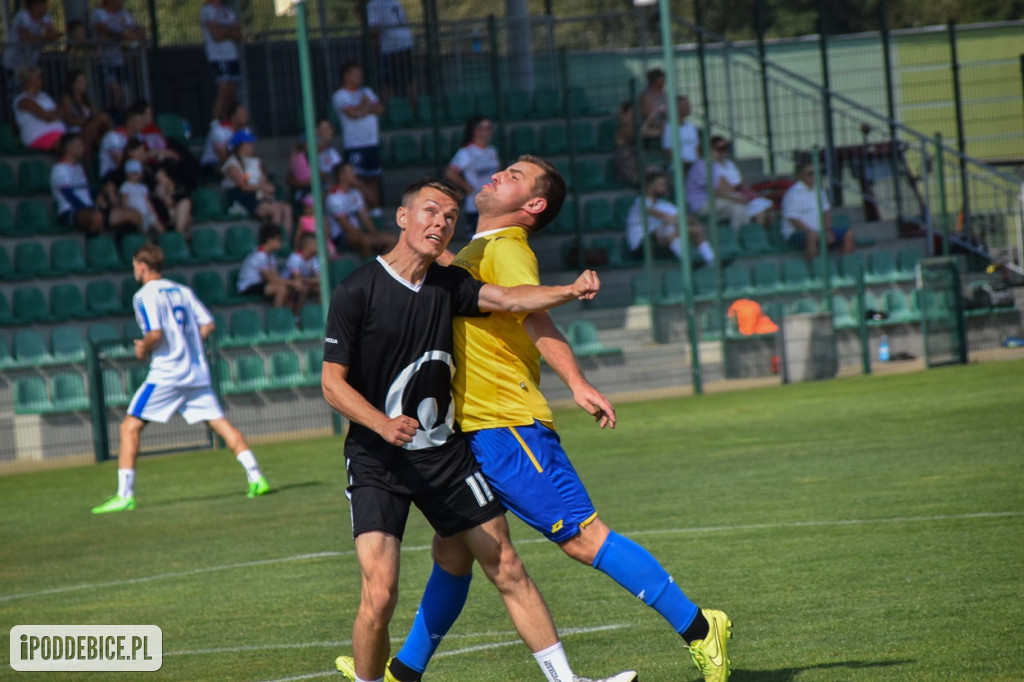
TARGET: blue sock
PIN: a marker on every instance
(636, 569)
(441, 604)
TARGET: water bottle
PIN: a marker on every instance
(477, 45)
(883, 349)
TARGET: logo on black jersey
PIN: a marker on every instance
(414, 392)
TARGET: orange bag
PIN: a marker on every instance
(750, 319)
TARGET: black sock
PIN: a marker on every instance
(698, 629)
(403, 673)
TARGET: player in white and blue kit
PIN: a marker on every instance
(174, 324)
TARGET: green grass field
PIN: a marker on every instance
(869, 528)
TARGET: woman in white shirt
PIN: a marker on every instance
(36, 113)
(473, 165)
(246, 185)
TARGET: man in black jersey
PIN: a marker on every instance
(388, 369)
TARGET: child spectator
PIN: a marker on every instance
(303, 267)
(259, 275)
(299, 178)
(114, 142)
(135, 194)
(307, 225)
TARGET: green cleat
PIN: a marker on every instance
(347, 666)
(258, 487)
(710, 654)
(115, 504)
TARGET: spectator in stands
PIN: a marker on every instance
(168, 155)
(218, 140)
(36, 113)
(80, 115)
(75, 205)
(327, 157)
(473, 165)
(358, 109)
(114, 142)
(733, 201)
(392, 41)
(689, 138)
(627, 165)
(259, 274)
(801, 223)
(222, 32)
(114, 25)
(31, 28)
(135, 194)
(654, 106)
(307, 225)
(351, 224)
(247, 188)
(173, 207)
(300, 177)
(303, 267)
(662, 223)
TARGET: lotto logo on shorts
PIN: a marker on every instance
(100, 648)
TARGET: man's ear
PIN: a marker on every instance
(536, 205)
(401, 217)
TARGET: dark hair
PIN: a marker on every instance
(470, 130)
(717, 139)
(268, 231)
(346, 67)
(654, 74)
(551, 186)
(66, 139)
(338, 167)
(653, 175)
(442, 185)
(150, 255)
(235, 106)
(72, 76)
(72, 25)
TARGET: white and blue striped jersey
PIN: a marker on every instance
(173, 308)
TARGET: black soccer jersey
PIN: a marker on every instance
(396, 340)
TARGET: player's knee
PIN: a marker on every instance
(379, 601)
(452, 555)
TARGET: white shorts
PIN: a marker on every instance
(155, 403)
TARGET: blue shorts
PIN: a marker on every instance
(365, 161)
(798, 239)
(226, 71)
(533, 477)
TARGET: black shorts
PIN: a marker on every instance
(226, 71)
(365, 161)
(258, 289)
(448, 488)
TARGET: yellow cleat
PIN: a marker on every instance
(709, 654)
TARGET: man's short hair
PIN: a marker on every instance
(653, 175)
(551, 186)
(66, 139)
(444, 186)
(348, 66)
(654, 74)
(150, 255)
(268, 231)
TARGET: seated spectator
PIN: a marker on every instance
(801, 225)
(663, 223)
(218, 141)
(79, 113)
(173, 208)
(259, 273)
(168, 155)
(351, 224)
(135, 194)
(75, 205)
(36, 113)
(689, 138)
(300, 178)
(473, 165)
(359, 110)
(627, 165)
(114, 142)
(733, 202)
(327, 156)
(303, 267)
(654, 107)
(307, 225)
(247, 188)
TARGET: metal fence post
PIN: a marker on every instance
(763, 63)
(891, 109)
(940, 179)
(97, 405)
(960, 138)
(862, 323)
(641, 172)
(830, 149)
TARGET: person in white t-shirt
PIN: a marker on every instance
(36, 113)
(260, 273)
(392, 40)
(327, 156)
(662, 223)
(114, 25)
(303, 267)
(112, 145)
(222, 31)
(352, 227)
(76, 207)
(31, 28)
(689, 138)
(135, 195)
(218, 139)
(247, 188)
(801, 225)
(174, 324)
(733, 202)
(473, 165)
(359, 109)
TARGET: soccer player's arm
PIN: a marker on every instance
(149, 322)
(557, 352)
(203, 318)
(529, 298)
(344, 324)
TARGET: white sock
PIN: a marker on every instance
(554, 664)
(125, 482)
(705, 250)
(359, 679)
(248, 461)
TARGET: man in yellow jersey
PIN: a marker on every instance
(510, 428)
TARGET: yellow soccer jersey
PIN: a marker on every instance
(497, 367)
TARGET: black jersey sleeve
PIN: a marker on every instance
(465, 292)
(344, 324)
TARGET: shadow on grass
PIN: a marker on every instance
(788, 674)
(235, 493)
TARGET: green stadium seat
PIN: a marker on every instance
(754, 240)
(239, 241)
(590, 176)
(209, 287)
(128, 288)
(881, 267)
(32, 216)
(340, 269)
(7, 225)
(30, 396)
(404, 150)
(460, 107)
(579, 103)
(796, 276)
(424, 111)
(765, 276)
(547, 103)
(906, 261)
(114, 394)
(585, 341)
(172, 126)
(30, 260)
(429, 149)
(523, 140)
(7, 271)
(68, 390)
(736, 280)
(728, 247)
(597, 215)
(137, 375)
(672, 289)
(284, 370)
(804, 305)
(314, 365)
(6, 318)
(29, 305)
(33, 177)
(621, 208)
(606, 129)
(553, 139)
(280, 324)
(563, 167)
(101, 297)
(703, 283)
(67, 256)
(710, 324)
(584, 136)
(842, 313)
(176, 251)
(610, 245)
(565, 222)
(933, 304)
(851, 265)
(246, 328)
(897, 307)
(66, 302)
(5, 354)
(207, 246)
(8, 180)
(30, 348)
(312, 321)
(130, 244)
(9, 143)
(250, 374)
(641, 289)
(398, 113)
(131, 331)
(207, 205)
(518, 104)
(103, 333)
(101, 254)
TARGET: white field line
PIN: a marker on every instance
(422, 548)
